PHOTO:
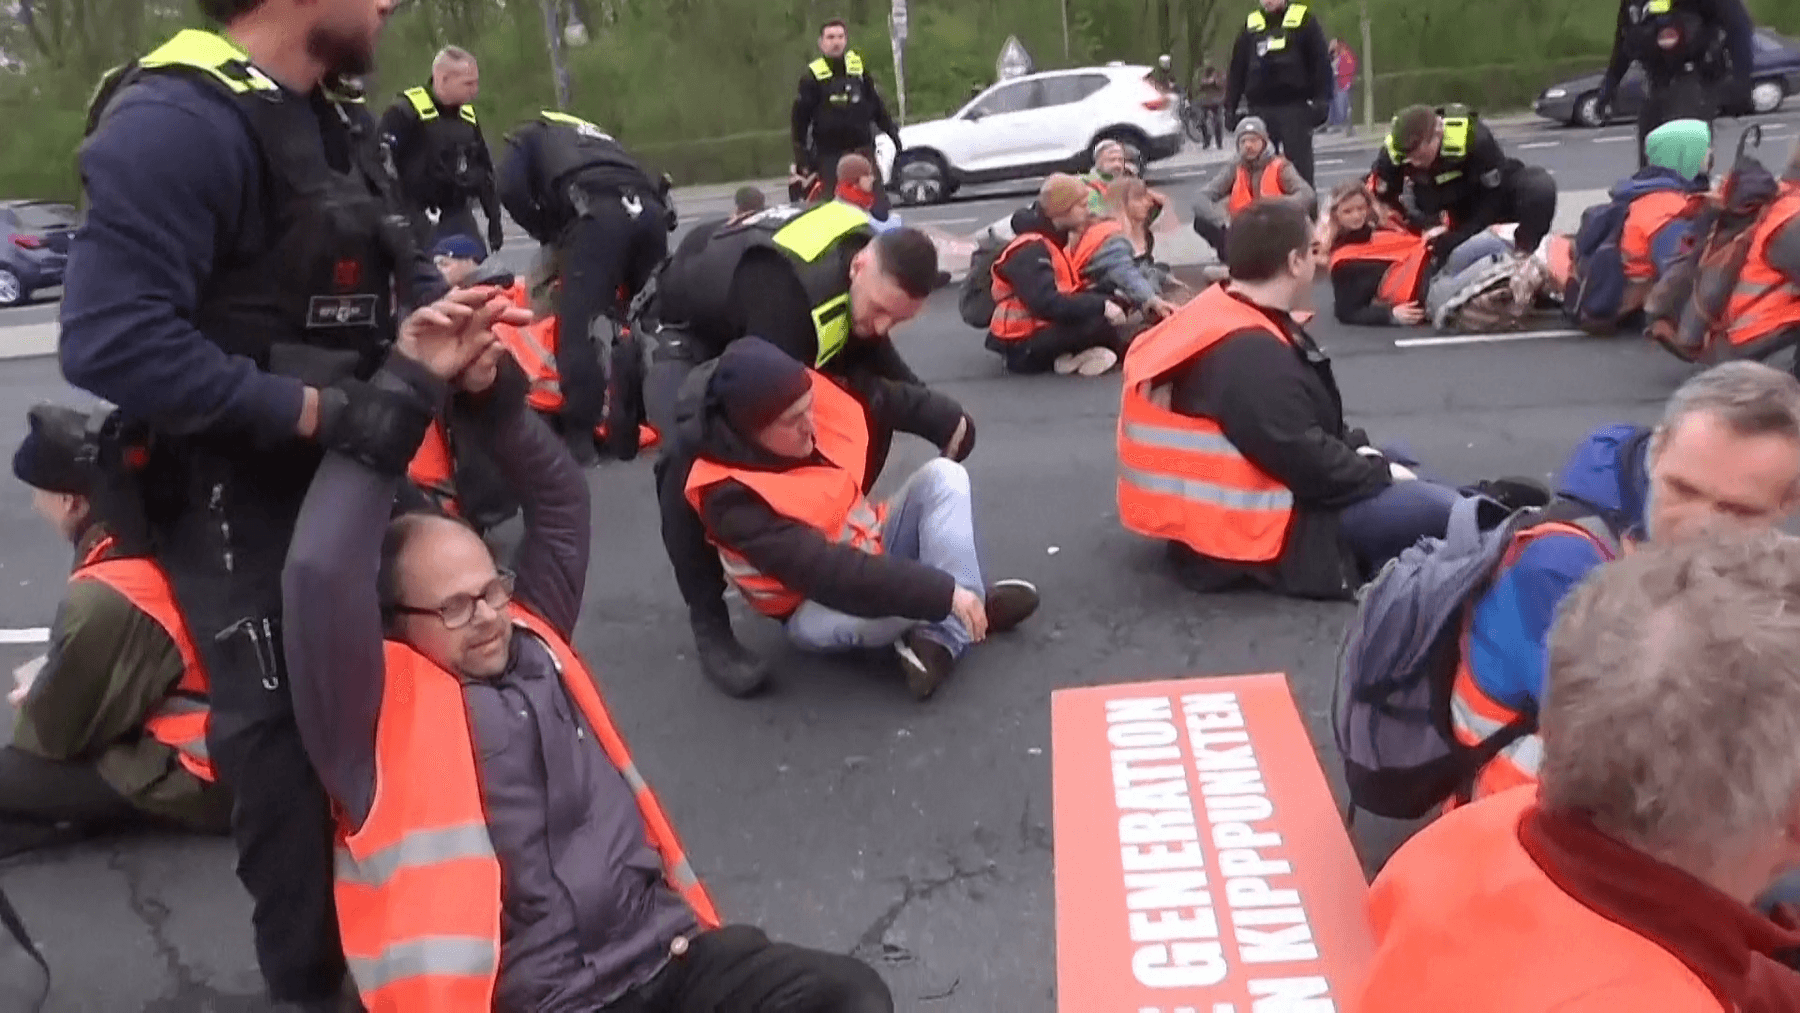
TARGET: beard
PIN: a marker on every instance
(345, 53)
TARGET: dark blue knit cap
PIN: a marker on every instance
(755, 382)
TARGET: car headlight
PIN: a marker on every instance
(1556, 93)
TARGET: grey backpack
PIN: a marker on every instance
(1397, 665)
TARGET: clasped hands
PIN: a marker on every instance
(454, 338)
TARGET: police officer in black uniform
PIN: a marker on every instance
(1696, 55)
(590, 203)
(1281, 63)
(231, 291)
(837, 111)
(435, 142)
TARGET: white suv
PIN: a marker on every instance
(1032, 126)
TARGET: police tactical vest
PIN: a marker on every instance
(1668, 38)
(322, 273)
(1271, 41)
(571, 144)
(817, 242)
(451, 160)
(841, 91)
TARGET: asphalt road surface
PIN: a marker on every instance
(836, 811)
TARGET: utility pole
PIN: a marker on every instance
(897, 39)
(1368, 64)
(558, 69)
(1065, 20)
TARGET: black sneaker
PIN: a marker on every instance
(727, 664)
(1009, 603)
(926, 662)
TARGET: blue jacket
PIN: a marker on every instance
(1511, 631)
(1665, 246)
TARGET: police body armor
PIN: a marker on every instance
(572, 145)
(1448, 172)
(1277, 57)
(452, 163)
(1669, 39)
(845, 118)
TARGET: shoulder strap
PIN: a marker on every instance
(467, 112)
(1296, 14)
(820, 69)
(422, 103)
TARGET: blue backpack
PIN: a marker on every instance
(1595, 293)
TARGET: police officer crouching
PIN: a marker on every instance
(577, 191)
(1282, 65)
(1684, 47)
(439, 155)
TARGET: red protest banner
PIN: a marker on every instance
(1201, 864)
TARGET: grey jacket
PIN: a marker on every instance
(1114, 267)
(1212, 203)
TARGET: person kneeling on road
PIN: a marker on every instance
(783, 500)
(553, 880)
(1258, 172)
(1042, 319)
(1232, 441)
(111, 730)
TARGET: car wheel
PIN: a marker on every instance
(1587, 111)
(1767, 96)
(921, 178)
(12, 291)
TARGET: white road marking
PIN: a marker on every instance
(24, 341)
(27, 635)
(1485, 339)
(949, 221)
(1615, 139)
(1328, 161)
(1540, 144)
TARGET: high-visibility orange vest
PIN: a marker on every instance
(1405, 254)
(1765, 303)
(418, 884)
(1466, 921)
(1269, 185)
(433, 467)
(180, 720)
(1180, 478)
(1647, 216)
(1090, 242)
(1012, 320)
(825, 496)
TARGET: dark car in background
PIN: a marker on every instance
(1774, 77)
(34, 246)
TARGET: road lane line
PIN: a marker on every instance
(25, 341)
(1485, 339)
(27, 635)
(1540, 144)
(1328, 161)
(1615, 140)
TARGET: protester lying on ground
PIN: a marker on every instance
(1109, 259)
(111, 729)
(1377, 272)
(782, 499)
(1257, 172)
(565, 887)
(1111, 165)
(856, 186)
(1042, 319)
(1726, 453)
(1232, 441)
(1669, 800)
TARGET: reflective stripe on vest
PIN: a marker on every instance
(422, 103)
(213, 54)
(821, 68)
(535, 346)
(1012, 319)
(808, 238)
(1268, 185)
(1764, 302)
(418, 884)
(1089, 244)
(1456, 137)
(1180, 477)
(180, 720)
(1405, 254)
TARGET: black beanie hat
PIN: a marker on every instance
(755, 382)
(50, 457)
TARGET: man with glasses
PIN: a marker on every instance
(513, 858)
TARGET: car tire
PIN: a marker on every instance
(921, 177)
(1135, 146)
(1587, 111)
(1767, 95)
(12, 290)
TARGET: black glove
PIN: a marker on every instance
(1441, 245)
(1603, 104)
(1735, 98)
(961, 446)
(1320, 112)
(496, 237)
(377, 427)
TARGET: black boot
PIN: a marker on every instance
(728, 664)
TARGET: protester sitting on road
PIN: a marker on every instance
(1257, 172)
(1111, 165)
(1377, 273)
(782, 499)
(553, 879)
(1110, 261)
(747, 201)
(1232, 441)
(1670, 800)
(1042, 319)
(1726, 452)
(856, 186)
(458, 257)
(111, 729)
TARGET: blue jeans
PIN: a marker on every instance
(1386, 524)
(931, 520)
(1340, 108)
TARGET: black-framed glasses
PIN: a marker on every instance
(457, 610)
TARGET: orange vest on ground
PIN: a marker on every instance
(181, 719)
(418, 884)
(1474, 715)
(1467, 922)
(1180, 479)
(827, 497)
(1404, 253)
(1090, 242)
(1647, 216)
(1012, 320)
(1765, 303)
(1269, 185)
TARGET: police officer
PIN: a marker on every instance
(1683, 46)
(577, 191)
(230, 291)
(1463, 182)
(438, 152)
(818, 284)
(1282, 65)
(837, 111)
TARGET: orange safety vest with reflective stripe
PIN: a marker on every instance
(418, 884)
(826, 496)
(1090, 242)
(1647, 216)
(1012, 320)
(433, 467)
(1269, 185)
(180, 720)
(1475, 716)
(1406, 255)
(1180, 478)
(1765, 303)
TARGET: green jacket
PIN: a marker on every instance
(109, 665)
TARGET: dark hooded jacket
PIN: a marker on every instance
(836, 576)
(1029, 272)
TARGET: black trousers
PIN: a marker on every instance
(1291, 128)
(1531, 202)
(698, 572)
(608, 255)
(826, 164)
(1038, 353)
(1212, 125)
(737, 969)
(45, 802)
(455, 221)
(1686, 97)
